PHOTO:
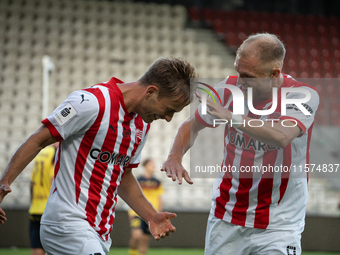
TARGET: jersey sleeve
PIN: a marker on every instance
(74, 115)
(294, 113)
(207, 120)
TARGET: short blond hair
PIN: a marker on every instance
(173, 77)
(268, 48)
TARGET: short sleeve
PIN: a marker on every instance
(75, 115)
(206, 119)
(294, 113)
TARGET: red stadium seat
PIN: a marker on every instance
(230, 39)
(264, 26)
(218, 26)
(208, 15)
(254, 16)
(194, 14)
(328, 75)
(275, 28)
(242, 26)
(253, 26)
(316, 75)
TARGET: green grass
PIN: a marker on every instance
(152, 251)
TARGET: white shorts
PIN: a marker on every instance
(72, 240)
(223, 238)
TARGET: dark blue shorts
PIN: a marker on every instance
(137, 222)
(35, 231)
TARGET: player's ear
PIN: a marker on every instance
(276, 73)
(152, 90)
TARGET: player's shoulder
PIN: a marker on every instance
(83, 97)
(229, 80)
(290, 81)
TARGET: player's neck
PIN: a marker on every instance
(131, 94)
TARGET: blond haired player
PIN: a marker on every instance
(102, 131)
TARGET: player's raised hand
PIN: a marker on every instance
(160, 225)
(176, 171)
(4, 190)
(215, 110)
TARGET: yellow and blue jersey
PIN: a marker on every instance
(41, 179)
(152, 190)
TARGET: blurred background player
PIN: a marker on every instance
(41, 180)
(153, 190)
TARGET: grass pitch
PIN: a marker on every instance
(152, 251)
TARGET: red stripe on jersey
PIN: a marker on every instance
(57, 163)
(86, 143)
(54, 132)
(239, 213)
(100, 169)
(226, 184)
(224, 197)
(113, 183)
(132, 165)
(226, 96)
(201, 121)
(109, 202)
(265, 188)
(124, 146)
(287, 162)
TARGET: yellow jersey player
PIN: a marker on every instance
(153, 190)
(41, 180)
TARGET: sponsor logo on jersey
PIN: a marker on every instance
(110, 158)
(139, 135)
(240, 140)
(83, 99)
(111, 127)
(126, 132)
(65, 114)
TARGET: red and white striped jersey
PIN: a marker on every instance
(99, 140)
(268, 199)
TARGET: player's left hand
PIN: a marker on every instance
(4, 190)
(160, 225)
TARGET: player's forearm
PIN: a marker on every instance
(184, 138)
(130, 191)
(25, 154)
(271, 133)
